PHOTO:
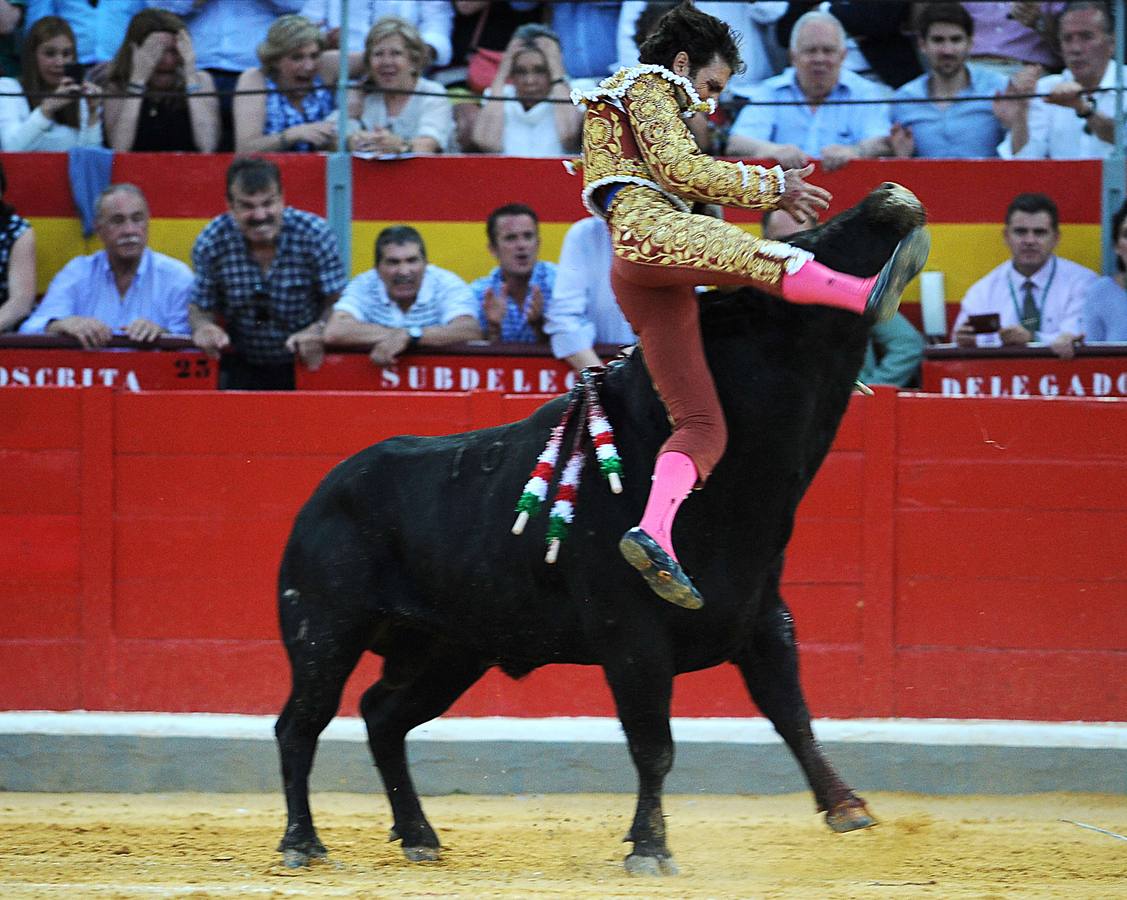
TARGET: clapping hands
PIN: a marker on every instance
(495, 304)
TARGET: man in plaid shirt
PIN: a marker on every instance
(512, 298)
(272, 273)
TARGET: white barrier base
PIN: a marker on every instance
(591, 730)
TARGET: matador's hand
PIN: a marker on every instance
(803, 201)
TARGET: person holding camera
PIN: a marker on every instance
(52, 106)
(1035, 295)
(534, 117)
(165, 103)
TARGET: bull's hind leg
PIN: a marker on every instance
(320, 667)
(642, 683)
(418, 684)
(770, 669)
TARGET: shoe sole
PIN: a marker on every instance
(905, 264)
(662, 582)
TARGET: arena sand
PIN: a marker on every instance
(222, 845)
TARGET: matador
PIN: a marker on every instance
(642, 170)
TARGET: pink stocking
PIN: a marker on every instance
(816, 283)
(673, 478)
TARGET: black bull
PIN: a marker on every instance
(404, 550)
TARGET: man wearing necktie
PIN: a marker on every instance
(1037, 295)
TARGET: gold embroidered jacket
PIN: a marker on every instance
(634, 133)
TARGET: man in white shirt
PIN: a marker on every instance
(835, 133)
(583, 311)
(125, 289)
(1037, 296)
(403, 303)
(1073, 121)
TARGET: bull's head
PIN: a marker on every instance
(861, 239)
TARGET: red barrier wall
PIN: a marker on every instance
(954, 557)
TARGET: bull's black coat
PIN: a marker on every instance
(405, 550)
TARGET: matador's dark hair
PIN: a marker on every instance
(700, 35)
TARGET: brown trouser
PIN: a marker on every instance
(660, 255)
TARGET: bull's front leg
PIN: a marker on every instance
(642, 684)
(769, 666)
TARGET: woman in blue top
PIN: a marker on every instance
(298, 112)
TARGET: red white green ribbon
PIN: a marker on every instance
(606, 453)
(536, 489)
(563, 507)
(602, 435)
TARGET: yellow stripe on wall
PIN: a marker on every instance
(964, 253)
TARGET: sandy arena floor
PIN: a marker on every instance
(222, 845)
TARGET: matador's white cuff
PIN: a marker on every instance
(780, 178)
(777, 172)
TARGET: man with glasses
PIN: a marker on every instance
(272, 272)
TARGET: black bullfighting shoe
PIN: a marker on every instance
(662, 572)
(904, 265)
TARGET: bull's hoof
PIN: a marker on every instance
(905, 264)
(300, 847)
(851, 815)
(650, 866)
(422, 854)
(662, 572)
(417, 852)
(302, 857)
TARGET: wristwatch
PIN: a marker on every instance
(1087, 114)
(415, 334)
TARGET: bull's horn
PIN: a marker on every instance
(615, 483)
(522, 520)
(553, 551)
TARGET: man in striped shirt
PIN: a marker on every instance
(403, 303)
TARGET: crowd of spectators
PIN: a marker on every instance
(828, 80)
(268, 284)
(934, 79)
